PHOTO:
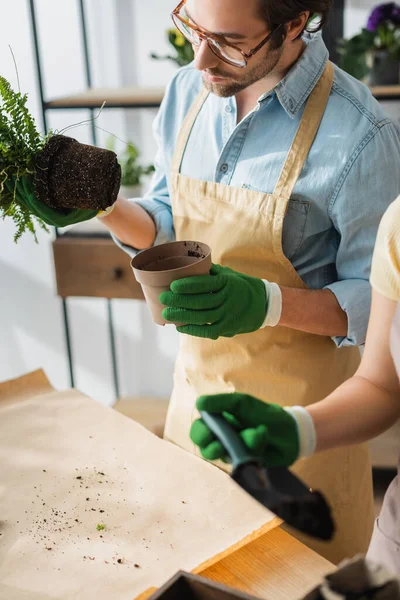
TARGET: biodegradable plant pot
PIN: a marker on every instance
(155, 269)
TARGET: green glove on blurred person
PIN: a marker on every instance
(223, 304)
(277, 436)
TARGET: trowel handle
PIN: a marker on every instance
(229, 438)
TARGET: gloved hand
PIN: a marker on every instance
(25, 195)
(224, 303)
(276, 435)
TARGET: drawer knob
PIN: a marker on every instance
(117, 273)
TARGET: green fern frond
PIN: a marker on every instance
(20, 142)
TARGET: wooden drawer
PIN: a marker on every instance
(93, 267)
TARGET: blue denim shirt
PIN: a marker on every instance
(350, 177)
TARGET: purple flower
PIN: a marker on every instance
(384, 12)
(396, 15)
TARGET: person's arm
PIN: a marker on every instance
(131, 224)
(139, 223)
(368, 403)
(371, 181)
(359, 410)
(232, 303)
(369, 184)
(313, 311)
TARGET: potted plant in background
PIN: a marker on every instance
(374, 54)
(183, 48)
(132, 172)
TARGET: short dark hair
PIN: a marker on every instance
(280, 12)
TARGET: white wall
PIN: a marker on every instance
(31, 328)
(356, 15)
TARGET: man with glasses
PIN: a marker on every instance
(284, 165)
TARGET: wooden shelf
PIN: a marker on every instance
(128, 97)
(137, 97)
(386, 92)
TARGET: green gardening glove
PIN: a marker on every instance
(269, 432)
(25, 195)
(222, 304)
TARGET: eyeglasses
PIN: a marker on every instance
(227, 52)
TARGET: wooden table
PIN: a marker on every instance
(274, 567)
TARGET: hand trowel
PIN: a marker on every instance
(277, 488)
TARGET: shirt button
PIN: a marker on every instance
(224, 168)
(228, 109)
(291, 104)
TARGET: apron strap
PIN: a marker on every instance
(305, 135)
(186, 128)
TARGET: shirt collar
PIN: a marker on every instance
(298, 84)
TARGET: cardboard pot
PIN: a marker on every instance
(155, 269)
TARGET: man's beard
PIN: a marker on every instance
(250, 76)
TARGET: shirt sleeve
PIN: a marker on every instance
(157, 200)
(370, 182)
(385, 271)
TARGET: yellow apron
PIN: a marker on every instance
(281, 365)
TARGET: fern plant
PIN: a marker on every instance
(20, 143)
(49, 180)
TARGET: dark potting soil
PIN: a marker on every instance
(167, 263)
(197, 253)
(170, 263)
(45, 521)
(73, 175)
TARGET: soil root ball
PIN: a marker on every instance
(73, 175)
